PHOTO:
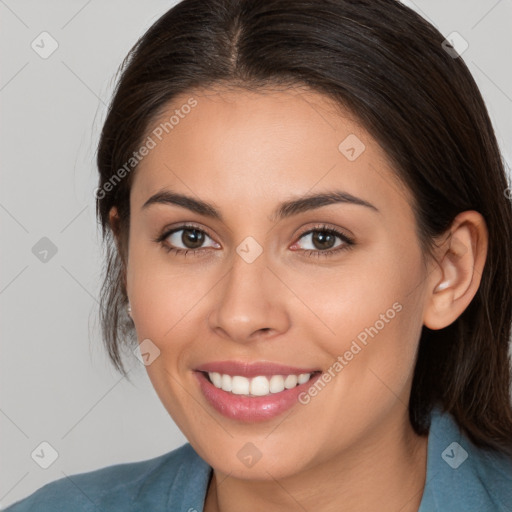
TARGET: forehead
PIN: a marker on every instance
(260, 146)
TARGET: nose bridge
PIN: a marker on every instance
(249, 300)
(247, 277)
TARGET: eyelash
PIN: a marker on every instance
(348, 241)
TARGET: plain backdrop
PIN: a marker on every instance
(57, 385)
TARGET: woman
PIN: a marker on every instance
(309, 237)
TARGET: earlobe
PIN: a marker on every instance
(460, 265)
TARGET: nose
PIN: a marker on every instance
(250, 303)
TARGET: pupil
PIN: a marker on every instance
(194, 239)
(323, 240)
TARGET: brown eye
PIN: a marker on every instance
(186, 238)
(323, 240)
(192, 238)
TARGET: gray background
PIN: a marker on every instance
(56, 382)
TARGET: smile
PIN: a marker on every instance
(256, 386)
(253, 392)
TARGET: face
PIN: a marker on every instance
(233, 289)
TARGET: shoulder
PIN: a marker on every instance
(462, 476)
(178, 478)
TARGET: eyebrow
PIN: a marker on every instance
(284, 210)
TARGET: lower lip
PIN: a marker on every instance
(251, 409)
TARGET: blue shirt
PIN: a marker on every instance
(460, 478)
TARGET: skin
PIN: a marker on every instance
(352, 446)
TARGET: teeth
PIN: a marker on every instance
(239, 385)
(226, 383)
(257, 386)
(260, 386)
(276, 383)
(216, 378)
(303, 377)
(290, 381)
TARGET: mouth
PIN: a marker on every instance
(261, 385)
(253, 392)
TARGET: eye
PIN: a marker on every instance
(185, 239)
(190, 239)
(325, 241)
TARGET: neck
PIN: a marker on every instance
(385, 472)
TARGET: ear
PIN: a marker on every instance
(115, 226)
(460, 263)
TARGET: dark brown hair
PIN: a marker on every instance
(388, 66)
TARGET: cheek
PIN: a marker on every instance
(158, 292)
(373, 309)
(373, 287)
(164, 302)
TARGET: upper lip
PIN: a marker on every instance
(253, 369)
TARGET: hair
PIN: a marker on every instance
(387, 66)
